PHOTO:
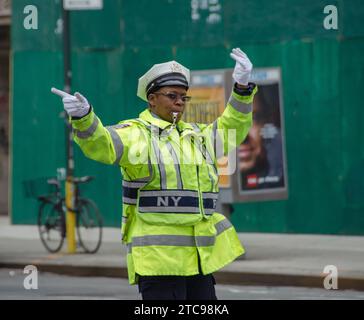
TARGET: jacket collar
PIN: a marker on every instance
(153, 119)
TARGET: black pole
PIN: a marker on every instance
(67, 88)
(70, 215)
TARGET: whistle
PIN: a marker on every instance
(174, 115)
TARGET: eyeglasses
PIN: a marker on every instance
(174, 96)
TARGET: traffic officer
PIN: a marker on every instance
(175, 240)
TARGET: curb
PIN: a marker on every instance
(72, 270)
(222, 277)
(284, 280)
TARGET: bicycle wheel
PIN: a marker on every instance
(89, 225)
(51, 226)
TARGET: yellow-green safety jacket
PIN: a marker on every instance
(170, 187)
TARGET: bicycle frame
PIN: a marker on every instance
(88, 217)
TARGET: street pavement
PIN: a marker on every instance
(270, 259)
(52, 286)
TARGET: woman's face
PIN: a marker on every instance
(251, 150)
(163, 105)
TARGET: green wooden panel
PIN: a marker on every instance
(38, 147)
(351, 18)
(166, 23)
(352, 148)
(97, 28)
(310, 73)
(252, 21)
(323, 76)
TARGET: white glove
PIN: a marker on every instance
(75, 106)
(243, 66)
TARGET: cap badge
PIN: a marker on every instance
(175, 67)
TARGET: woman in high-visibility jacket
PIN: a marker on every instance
(174, 237)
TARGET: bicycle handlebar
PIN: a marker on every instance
(82, 179)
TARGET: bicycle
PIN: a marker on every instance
(52, 215)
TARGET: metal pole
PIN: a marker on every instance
(70, 216)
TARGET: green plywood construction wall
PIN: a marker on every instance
(322, 74)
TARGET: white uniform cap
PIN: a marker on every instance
(170, 73)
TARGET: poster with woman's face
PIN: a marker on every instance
(261, 156)
(259, 163)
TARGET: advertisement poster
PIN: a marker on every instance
(259, 162)
(261, 159)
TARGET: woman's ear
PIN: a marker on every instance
(151, 100)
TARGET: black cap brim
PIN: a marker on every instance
(169, 79)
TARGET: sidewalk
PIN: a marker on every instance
(270, 260)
